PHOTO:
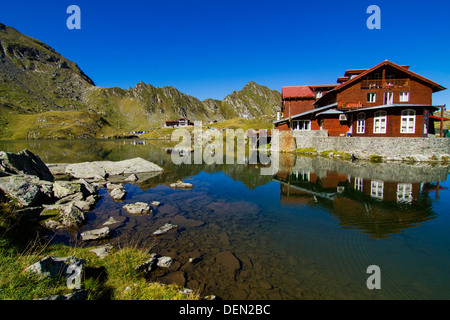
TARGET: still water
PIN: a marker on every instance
(308, 232)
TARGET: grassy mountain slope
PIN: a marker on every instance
(46, 96)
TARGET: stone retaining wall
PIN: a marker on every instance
(416, 149)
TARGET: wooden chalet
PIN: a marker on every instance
(388, 100)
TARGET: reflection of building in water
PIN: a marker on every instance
(368, 203)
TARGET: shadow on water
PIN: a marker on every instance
(308, 232)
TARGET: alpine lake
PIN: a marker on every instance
(310, 231)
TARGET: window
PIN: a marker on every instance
(361, 123)
(302, 125)
(377, 189)
(408, 122)
(359, 184)
(404, 193)
(404, 96)
(389, 97)
(319, 94)
(371, 97)
(379, 122)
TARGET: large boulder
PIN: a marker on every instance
(24, 162)
(90, 170)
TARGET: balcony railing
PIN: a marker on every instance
(350, 105)
(386, 83)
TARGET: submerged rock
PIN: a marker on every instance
(165, 228)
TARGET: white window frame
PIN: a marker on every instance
(408, 121)
(389, 97)
(371, 97)
(380, 122)
(377, 189)
(361, 123)
(359, 182)
(404, 193)
(304, 127)
(404, 96)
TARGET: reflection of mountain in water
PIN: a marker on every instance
(380, 199)
(72, 151)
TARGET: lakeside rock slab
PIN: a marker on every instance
(89, 170)
(24, 162)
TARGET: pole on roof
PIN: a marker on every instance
(442, 120)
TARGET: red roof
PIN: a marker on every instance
(436, 87)
(297, 92)
(438, 118)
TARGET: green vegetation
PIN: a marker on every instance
(263, 122)
(113, 277)
(307, 151)
(336, 154)
(376, 159)
(46, 96)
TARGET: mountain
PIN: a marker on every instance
(43, 95)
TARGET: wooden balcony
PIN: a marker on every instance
(350, 105)
(385, 84)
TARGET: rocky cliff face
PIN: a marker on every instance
(34, 78)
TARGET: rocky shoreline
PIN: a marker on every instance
(59, 196)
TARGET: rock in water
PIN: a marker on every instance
(118, 194)
(138, 208)
(24, 162)
(165, 228)
(88, 170)
(181, 185)
(96, 234)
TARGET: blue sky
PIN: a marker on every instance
(208, 49)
